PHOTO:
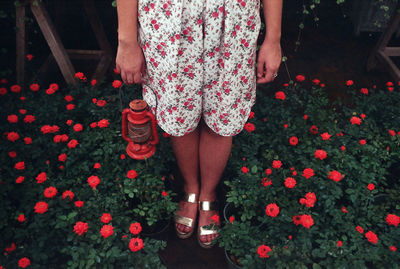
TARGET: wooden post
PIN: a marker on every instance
(20, 43)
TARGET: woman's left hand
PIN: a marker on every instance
(269, 60)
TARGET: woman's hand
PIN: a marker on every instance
(269, 60)
(130, 63)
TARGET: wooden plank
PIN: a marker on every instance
(390, 65)
(20, 43)
(392, 51)
(54, 42)
(102, 67)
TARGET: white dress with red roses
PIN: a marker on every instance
(200, 60)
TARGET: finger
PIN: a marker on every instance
(260, 68)
(130, 78)
(123, 77)
(137, 78)
(118, 68)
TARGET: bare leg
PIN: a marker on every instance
(214, 151)
(186, 149)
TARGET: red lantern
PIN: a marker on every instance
(140, 130)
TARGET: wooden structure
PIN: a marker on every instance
(62, 56)
(382, 52)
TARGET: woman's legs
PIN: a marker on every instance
(186, 150)
(205, 149)
(214, 151)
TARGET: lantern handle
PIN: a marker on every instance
(124, 125)
(154, 141)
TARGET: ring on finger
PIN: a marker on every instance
(274, 75)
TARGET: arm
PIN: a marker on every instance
(130, 60)
(270, 55)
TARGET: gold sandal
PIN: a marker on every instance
(189, 198)
(207, 206)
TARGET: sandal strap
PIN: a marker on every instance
(204, 231)
(190, 198)
(184, 220)
(208, 205)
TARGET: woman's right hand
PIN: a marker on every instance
(130, 62)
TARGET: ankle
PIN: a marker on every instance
(208, 196)
(192, 188)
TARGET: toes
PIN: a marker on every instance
(187, 229)
(203, 238)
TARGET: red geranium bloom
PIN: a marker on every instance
(80, 75)
(80, 228)
(70, 107)
(106, 218)
(135, 228)
(164, 193)
(263, 251)
(359, 229)
(68, 98)
(19, 166)
(101, 103)
(364, 91)
(62, 157)
(249, 127)
(339, 243)
(117, 84)
(68, 122)
(96, 166)
(280, 95)
(78, 127)
(21, 218)
(131, 174)
(42, 177)
(50, 192)
(313, 129)
(11, 248)
(251, 115)
(268, 171)
(106, 231)
(93, 181)
(363, 142)
(103, 123)
(308, 172)
(135, 244)
(69, 194)
(300, 78)
(93, 125)
(12, 136)
(93, 82)
(41, 207)
(50, 91)
(231, 219)
(28, 140)
(371, 187)
(22, 111)
(24, 262)
(344, 209)
(392, 133)
(245, 170)
(372, 237)
(349, 82)
(393, 248)
(72, 144)
(15, 88)
(34, 87)
(20, 179)
(12, 154)
(12, 118)
(355, 120)
(335, 176)
(272, 210)
(78, 203)
(276, 164)
(316, 81)
(29, 119)
(325, 136)
(392, 219)
(307, 221)
(309, 199)
(266, 182)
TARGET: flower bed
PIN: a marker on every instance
(70, 196)
(313, 183)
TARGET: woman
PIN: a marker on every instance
(196, 62)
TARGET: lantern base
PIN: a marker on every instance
(140, 152)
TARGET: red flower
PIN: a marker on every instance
(135, 244)
(29, 119)
(15, 88)
(68, 98)
(363, 142)
(41, 207)
(68, 122)
(96, 166)
(117, 84)
(263, 251)
(80, 75)
(335, 176)
(80, 228)
(93, 82)
(93, 125)
(70, 106)
(276, 164)
(22, 111)
(339, 243)
(101, 103)
(50, 192)
(308, 172)
(29, 57)
(359, 229)
(290, 182)
(12, 118)
(28, 140)
(20, 179)
(62, 157)
(50, 91)
(392, 219)
(371, 187)
(78, 127)
(344, 209)
(355, 120)
(72, 144)
(268, 171)
(215, 218)
(316, 81)
(320, 154)
(349, 82)
(313, 129)
(389, 84)
(103, 123)
(106, 231)
(12, 154)
(78, 203)
(307, 221)
(372, 237)
(21, 218)
(93, 181)
(131, 174)
(293, 140)
(164, 193)
(309, 199)
(266, 182)
(343, 148)
(46, 129)
(69, 194)
(42, 177)
(364, 91)
(231, 219)
(272, 210)
(249, 127)
(12, 136)
(19, 166)
(300, 78)
(54, 86)
(280, 95)
(245, 169)
(251, 115)
(325, 136)
(106, 218)
(392, 133)
(24, 262)
(135, 228)
(122, 157)
(362, 116)
(34, 87)
(393, 248)
(11, 248)
(3, 91)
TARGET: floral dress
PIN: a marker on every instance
(200, 60)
